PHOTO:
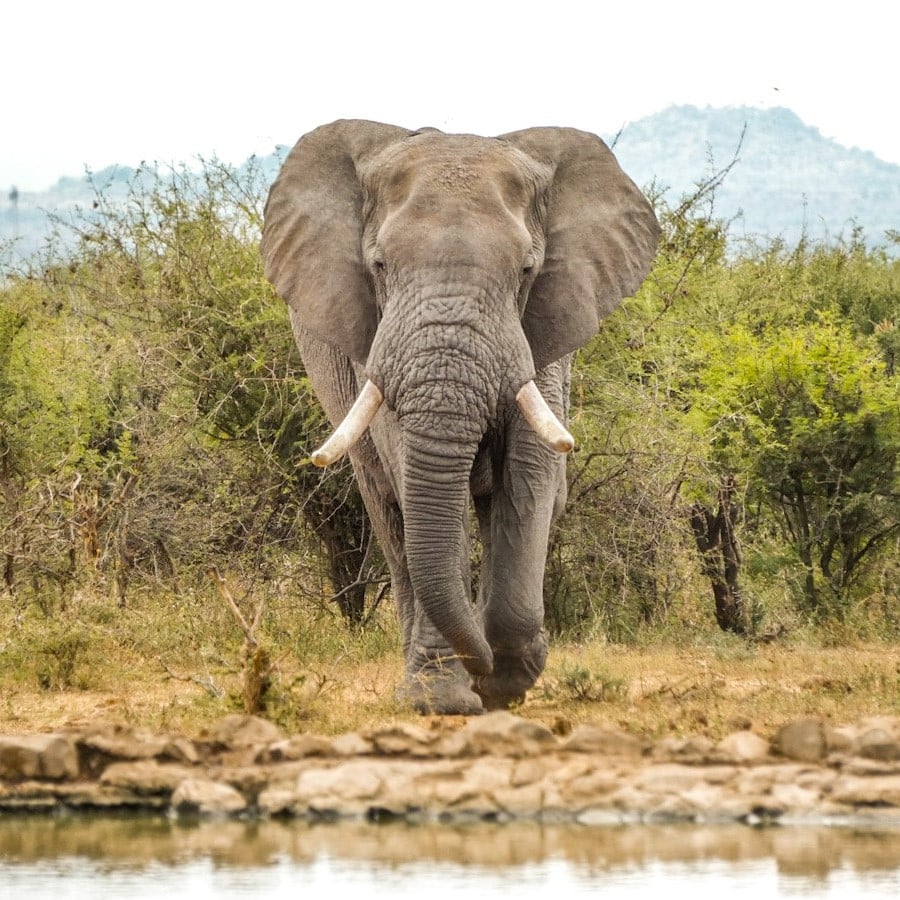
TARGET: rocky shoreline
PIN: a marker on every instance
(497, 767)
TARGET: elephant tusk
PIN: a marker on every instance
(352, 428)
(543, 420)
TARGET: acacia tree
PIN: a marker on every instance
(809, 420)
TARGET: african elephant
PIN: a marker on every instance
(437, 286)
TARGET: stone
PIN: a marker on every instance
(499, 734)
(51, 756)
(803, 740)
(840, 739)
(298, 746)
(608, 741)
(145, 777)
(695, 749)
(467, 785)
(124, 743)
(181, 750)
(278, 800)
(585, 790)
(239, 731)
(875, 791)
(401, 740)
(792, 798)
(351, 744)
(878, 743)
(204, 797)
(860, 765)
(500, 766)
(743, 747)
(675, 778)
(525, 801)
(354, 780)
(527, 771)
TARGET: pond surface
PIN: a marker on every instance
(140, 858)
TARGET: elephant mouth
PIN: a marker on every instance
(531, 403)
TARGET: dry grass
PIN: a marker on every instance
(712, 691)
(651, 690)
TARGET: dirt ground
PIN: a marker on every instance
(652, 691)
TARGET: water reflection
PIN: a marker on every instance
(508, 854)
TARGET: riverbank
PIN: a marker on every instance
(498, 767)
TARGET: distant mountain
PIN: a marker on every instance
(28, 219)
(788, 179)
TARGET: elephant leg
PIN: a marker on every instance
(514, 520)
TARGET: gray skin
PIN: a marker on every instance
(450, 270)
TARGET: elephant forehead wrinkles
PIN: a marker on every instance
(447, 166)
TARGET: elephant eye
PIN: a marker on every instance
(528, 264)
(378, 261)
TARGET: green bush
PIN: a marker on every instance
(155, 413)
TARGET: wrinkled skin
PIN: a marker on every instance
(450, 270)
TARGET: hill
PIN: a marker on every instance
(787, 180)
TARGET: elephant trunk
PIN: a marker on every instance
(436, 504)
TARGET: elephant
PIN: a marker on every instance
(437, 287)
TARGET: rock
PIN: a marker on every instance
(586, 790)
(498, 766)
(180, 750)
(279, 800)
(878, 743)
(119, 743)
(694, 749)
(499, 734)
(145, 777)
(608, 741)
(298, 746)
(803, 740)
(351, 744)
(743, 747)
(98, 748)
(470, 786)
(350, 788)
(875, 791)
(52, 756)
(840, 739)
(401, 740)
(677, 778)
(201, 796)
(239, 731)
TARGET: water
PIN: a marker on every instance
(145, 857)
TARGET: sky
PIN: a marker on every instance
(89, 83)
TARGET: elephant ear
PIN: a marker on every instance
(312, 233)
(601, 236)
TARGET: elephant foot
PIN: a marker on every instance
(441, 687)
(515, 673)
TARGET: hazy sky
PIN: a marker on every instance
(90, 83)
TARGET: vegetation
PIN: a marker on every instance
(738, 425)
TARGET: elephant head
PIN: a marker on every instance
(452, 268)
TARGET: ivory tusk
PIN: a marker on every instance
(352, 428)
(543, 420)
